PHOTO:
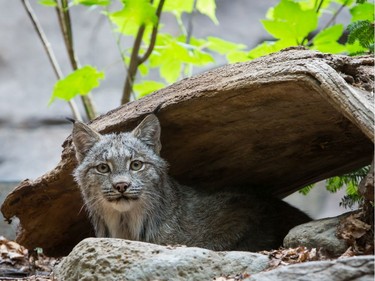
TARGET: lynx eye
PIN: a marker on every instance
(136, 165)
(103, 168)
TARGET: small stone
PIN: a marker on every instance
(320, 234)
(359, 268)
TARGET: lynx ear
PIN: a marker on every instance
(83, 138)
(148, 131)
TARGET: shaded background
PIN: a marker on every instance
(31, 132)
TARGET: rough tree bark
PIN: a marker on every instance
(276, 123)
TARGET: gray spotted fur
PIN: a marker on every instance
(157, 209)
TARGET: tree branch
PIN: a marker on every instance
(135, 59)
(309, 43)
(51, 56)
(153, 35)
(133, 66)
(190, 23)
(66, 29)
(319, 6)
(335, 15)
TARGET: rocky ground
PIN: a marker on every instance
(17, 263)
(344, 252)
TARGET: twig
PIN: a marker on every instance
(66, 29)
(153, 34)
(50, 53)
(333, 18)
(190, 23)
(319, 6)
(133, 66)
(317, 11)
(335, 14)
(135, 59)
(189, 33)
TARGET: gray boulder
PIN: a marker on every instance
(118, 259)
(318, 234)
(355, 269)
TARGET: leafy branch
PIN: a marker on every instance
(350, 181)
(63, 15)
(362, 31)
(135, 59)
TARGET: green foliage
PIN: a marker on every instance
(171, 53)
(290, 23)
(178, 7)
(305, 190)
(326, 40)
(349, 181)
(48, 3)
(363, 11)
(146, 87)
(173, 56)
(133, 14)
(79, 82)
(208, 8)
(362, 31)
(91, 2)
(293, 23)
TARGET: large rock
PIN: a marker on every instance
(354, 269)
(276, 123)
(117, 259)
(318, 234)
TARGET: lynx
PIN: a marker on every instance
(129, 194)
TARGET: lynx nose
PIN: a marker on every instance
(121, 186)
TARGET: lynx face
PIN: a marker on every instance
(118, 171)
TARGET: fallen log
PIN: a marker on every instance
(276, 123)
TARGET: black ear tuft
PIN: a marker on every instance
(70, 119)
(83, 138)
(148, 131)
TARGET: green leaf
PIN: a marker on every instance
(363, 12)
(222, 46)
(268, 47)
(237, 56)
(313, 5)
(344, 2)
(334, 184)
(147, 87)
(170, 70)
(143, 69)
(330, 47)
(92, 2)
(170, 53)
(326, 40)
(305, 190)
(177, 7)
(48, 3)
(355, 49)
(329, 34)
(289, 21)
(208, 8)
(351, 188)
(79, 82)
(363, 31)
(133, 15)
